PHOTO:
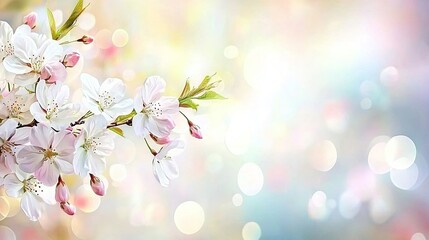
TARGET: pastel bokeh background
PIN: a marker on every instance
(324, 134)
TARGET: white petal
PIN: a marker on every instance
(41, 136)
(152, 89)
(13, 186)
(169, 105)
(39, 114)
(63, 143)
(159, 174)
(160, 127)
(121, 108)
(138, 100)
(53, 51)
(7, 129)
(14, 65)
(170, 168)
(41, 94)
(31, 206)
(25, 47)
(64, 165)
(48, 173)
(6, 32)
(115, 87)
(96, 163)
(140, 125)
(80, 162)
(90, 86)
(21, 135)
(29, 158)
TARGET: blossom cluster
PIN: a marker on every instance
(44, 136)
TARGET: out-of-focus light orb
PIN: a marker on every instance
(118, 172)
(377, 160)
(239, 133)
(251, 231)
(317, 208)
(85, 199)
(418, 236)
(120, 37)
(14, 206)
(86, 21)
(237, 199)
(349, 205)
(189, 217)
(323, 156)
(400, 152)
(7, 233)
(4, 208)
(128, 75)
(380, 210)
(103, 39)
(404, 179)
(230, 52)
(366, 103)
(389, 75)
(265, 68)
(250, 179)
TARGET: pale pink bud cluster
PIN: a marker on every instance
(30, 20)
(86, 40)
(97, 185)
(195, 130)
(71, 59)
(62, 195)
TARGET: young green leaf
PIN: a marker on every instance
(69, 24)
(210, 95)
(52, 26)
(117, 130)
(123, 118)
(186, 89)
(188, 103)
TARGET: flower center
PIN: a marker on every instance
(33, 185)
(36, 63)
(15, 107)
(152, 109)
(49, 155)
(7, 49)
(52, 110)
(106, 100)
(91, 143)
(8, 147)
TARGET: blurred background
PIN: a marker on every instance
(324, 133)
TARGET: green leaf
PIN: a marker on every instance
(209, 95)
(70, 23)
(188, 103)
(51, 20)
(123, 118)
(117, 130)
(186, 90)
(205, 81)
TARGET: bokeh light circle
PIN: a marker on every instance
(7, 233)
(250, 179)
(118, 172)
(237, 199)
(4, 208)
(230, 52)
(251, 231)
(86, 200)
(120, 38)
(189, 217)
(324, 156)
(377, 159)
(404, 179)
(401, 152)
(418, 236)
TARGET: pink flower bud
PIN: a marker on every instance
(62, 193)
(53, 72)
(68, 208)
(30, 20)
(71, 59)
(160, 140)
(86, 40)
(195, 130)
(97, 185)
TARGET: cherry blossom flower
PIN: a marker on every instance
(32, 53)
(34, 194)
(30, 19)
(154, 113)
(108, 99)
(97, 185)
(195, 130)
(93, 144)
(48, 154)
(17, 106)
(164, 168)
(10, 139)
(52, 108)
(71, 59)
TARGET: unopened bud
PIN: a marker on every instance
(160, 140)
(68, 208)
(30, 20)
(71, 59)
(62, 193)
(53, 72)
(195, 130)
(97, 185)
(86, 40)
